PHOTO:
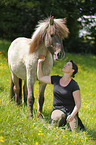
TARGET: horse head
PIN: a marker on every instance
(54, 37)
(51, 32)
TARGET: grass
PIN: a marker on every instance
(17, 129)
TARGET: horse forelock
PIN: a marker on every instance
(38, 36)
(61, 28)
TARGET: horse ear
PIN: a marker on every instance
(64, 20)
(52, 20)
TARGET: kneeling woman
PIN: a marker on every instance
(67, 99)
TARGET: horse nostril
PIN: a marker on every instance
(59, 54)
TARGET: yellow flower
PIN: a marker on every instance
(39, 133)
(84, 132)
(76, 134)
(36, 143)
(1, 139)
(81, 140)
(73, 141)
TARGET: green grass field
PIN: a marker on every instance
(17, 129)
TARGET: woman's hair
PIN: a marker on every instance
(75, 67)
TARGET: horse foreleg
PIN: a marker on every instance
(25, 92)
(41, 99)
(30, 100)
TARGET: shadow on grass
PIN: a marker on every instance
(92, 134)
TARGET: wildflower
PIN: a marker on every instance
(73, 141)
(81, 140)
(1, 139)
(40, 133)
(76, 134)
(63, 136)
(36, 143)
(84, 132)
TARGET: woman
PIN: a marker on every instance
(67, 99)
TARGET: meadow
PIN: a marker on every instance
(17, 129)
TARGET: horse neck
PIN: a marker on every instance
(42, 50)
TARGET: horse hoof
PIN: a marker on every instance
(40, 115)
(30, 116)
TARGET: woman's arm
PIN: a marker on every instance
(41, 77)
(77, 99)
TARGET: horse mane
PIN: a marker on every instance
(41, 29)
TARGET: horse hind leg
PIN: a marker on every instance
(41, 99)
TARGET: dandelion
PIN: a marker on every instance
(84, 132)
(81, 140)
(36, 143)
(40, 133)
(67, 143)
(63, 136)
(73, 141)
(76, 134)
(1, 139)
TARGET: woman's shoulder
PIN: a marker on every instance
(55, 78)
(74, 84)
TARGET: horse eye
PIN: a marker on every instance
(52, 35)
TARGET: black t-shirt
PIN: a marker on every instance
(63, 96)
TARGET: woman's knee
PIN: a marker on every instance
(58, 117)
(74, 123)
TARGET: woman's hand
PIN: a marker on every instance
(69, 118)
(42, 58)
(41, 77)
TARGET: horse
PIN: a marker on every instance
(23, 55)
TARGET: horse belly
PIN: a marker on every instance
(18, 69)
(17, 55)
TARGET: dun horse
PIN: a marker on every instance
(23, 55)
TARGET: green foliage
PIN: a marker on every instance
(18, 18)
(17, 129)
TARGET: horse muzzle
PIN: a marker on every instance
(59, 55)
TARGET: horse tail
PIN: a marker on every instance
(12, 93)
(20, 92)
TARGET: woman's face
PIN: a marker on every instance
(67, 68)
